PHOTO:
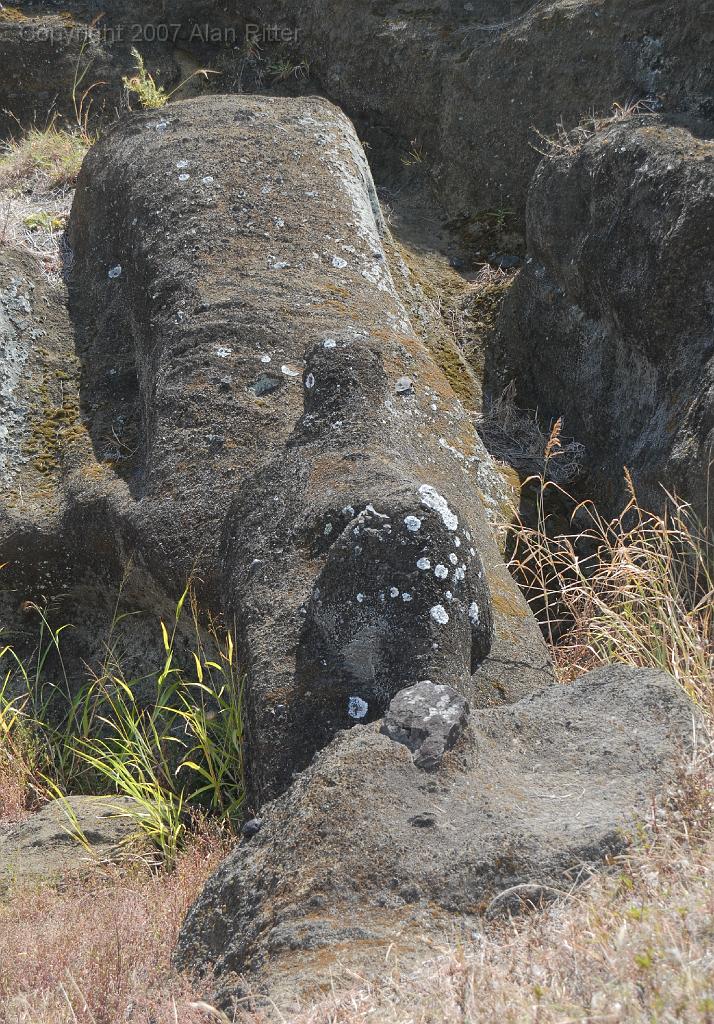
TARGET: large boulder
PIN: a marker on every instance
(276, 425)
(369, 852)
(611, 323)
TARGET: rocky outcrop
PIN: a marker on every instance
(65, 62)
(464, 85)
(611, 323)
(367, 853)
(455, 89)
(281, 429)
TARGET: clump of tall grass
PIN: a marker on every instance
(143, 85)
(637, 588)
(43, 158)
(171, 740)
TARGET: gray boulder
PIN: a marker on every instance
(610, 323)
(427, 718)
(366, 852)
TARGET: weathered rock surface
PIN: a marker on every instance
(427, 718)
(243, 341)
(366, 849)
(466, 84)
(611, 323)
(71, 835)
(45, 454)
(39, 416)
(52, 53)
(462, 86)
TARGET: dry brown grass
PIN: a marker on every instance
(38, 172)
(98, 951)
(567, 141)
(637, 589)
(635, 947)
(13, 788)
(43, 159)
(514, 436)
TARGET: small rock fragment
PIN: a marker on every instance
(265, 384)
(428, 718)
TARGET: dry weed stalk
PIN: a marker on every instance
(567, 141)
(636, 589)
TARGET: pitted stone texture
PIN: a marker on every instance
(366, 845)
(251, 245)
(609, 324)
(531, 65)
(429, 719)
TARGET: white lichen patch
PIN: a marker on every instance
(310, 381)
(338, 263)
(329, 343)
(115, 272)
(288, 371)
(423, 563)
(223, 351)
(14, 354)
(412, 524)
(394, 591)
(406, 597)
(431, 498)
(441, 572)
(474, 613)
(453, 558)
(439, 614)
(357, 708)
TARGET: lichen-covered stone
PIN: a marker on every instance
(367, 854)
(427, 718)
(250, 242)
